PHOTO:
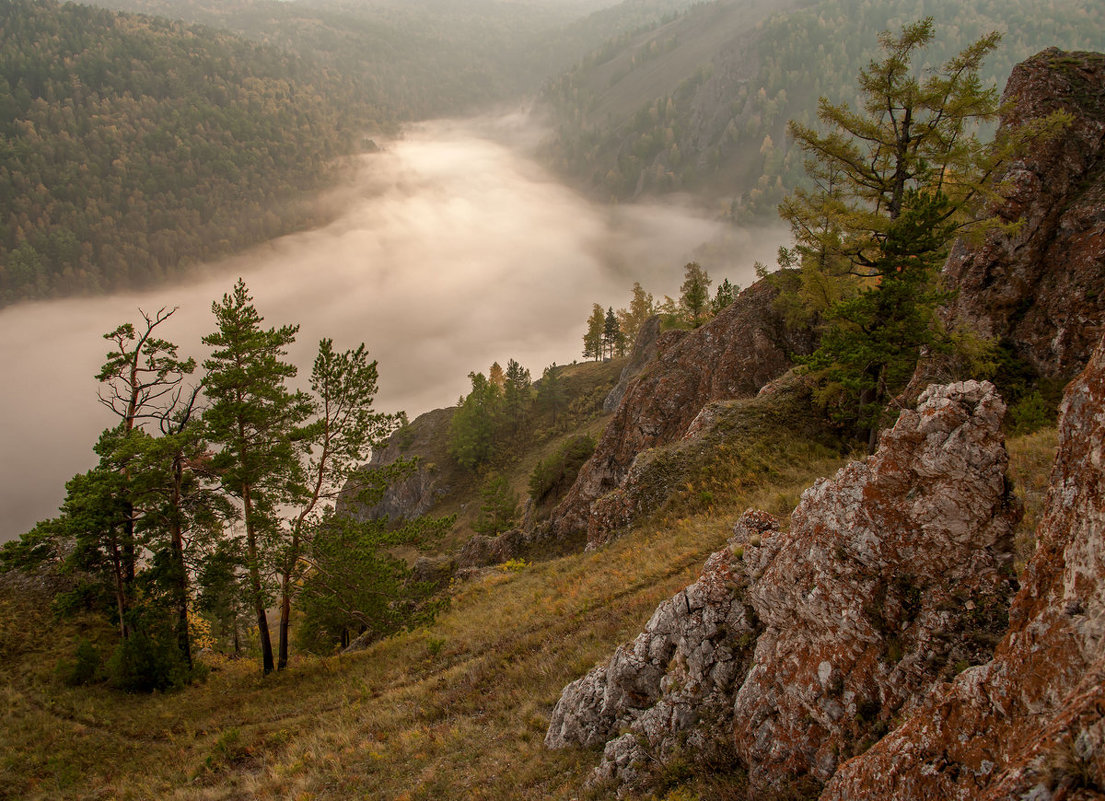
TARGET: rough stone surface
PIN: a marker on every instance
(732, 356)
(893, 572)
(1031, 723)
(783, 406)
(436, 570)
(416, 494)
(1041, 286)
(644, 351)
(671, 688)
(482, 550)
(794, 647)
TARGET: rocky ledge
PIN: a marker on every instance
(732, 356)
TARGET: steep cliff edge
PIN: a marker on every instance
(732, 356)
(796, 646)
(1040, 288)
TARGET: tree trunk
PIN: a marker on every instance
(180, 577)
(255, 583)
(285, 616)
(120, 591)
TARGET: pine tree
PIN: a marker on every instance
(342, 429)
(140, 381)
(725, 295)
(354, 585)
(499, 507)
(256, 422)
(475, 423)
(551, 394)
(517, 400)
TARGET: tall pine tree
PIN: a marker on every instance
(255, 420)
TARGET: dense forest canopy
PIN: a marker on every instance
(424, 58)
(132, 146)
(701, 103)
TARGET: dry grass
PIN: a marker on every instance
(1030, 460)
(458, 710)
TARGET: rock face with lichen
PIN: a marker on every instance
(795, 646)
(1030, 724)
(644, 351)
(1042, 287)
(732, 356)
(414, 493)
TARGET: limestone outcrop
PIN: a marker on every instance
(1040, 287)
(1030, 724)
(796, 646)
(414, 494)
(732, 356)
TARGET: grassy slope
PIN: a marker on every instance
(456, 710)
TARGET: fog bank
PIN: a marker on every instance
(452, 251)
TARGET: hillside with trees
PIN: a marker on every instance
(133, 147)
(424, 58)
(700, 104)
(764, 609)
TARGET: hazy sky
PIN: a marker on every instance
(453, 250)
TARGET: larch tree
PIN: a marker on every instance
(641, 307)
(257, 423)
(892, 184)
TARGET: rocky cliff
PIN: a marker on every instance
(797, 647)
(1030, 724)
(644, 351)
(732, 356)
(879, 646)
(434, 476)
(1040, 287)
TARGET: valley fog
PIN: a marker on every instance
(453, 250)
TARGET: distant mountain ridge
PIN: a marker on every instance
(700, 104)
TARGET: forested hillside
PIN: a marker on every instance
(131, 147)
(701, 103)
(425, 58)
